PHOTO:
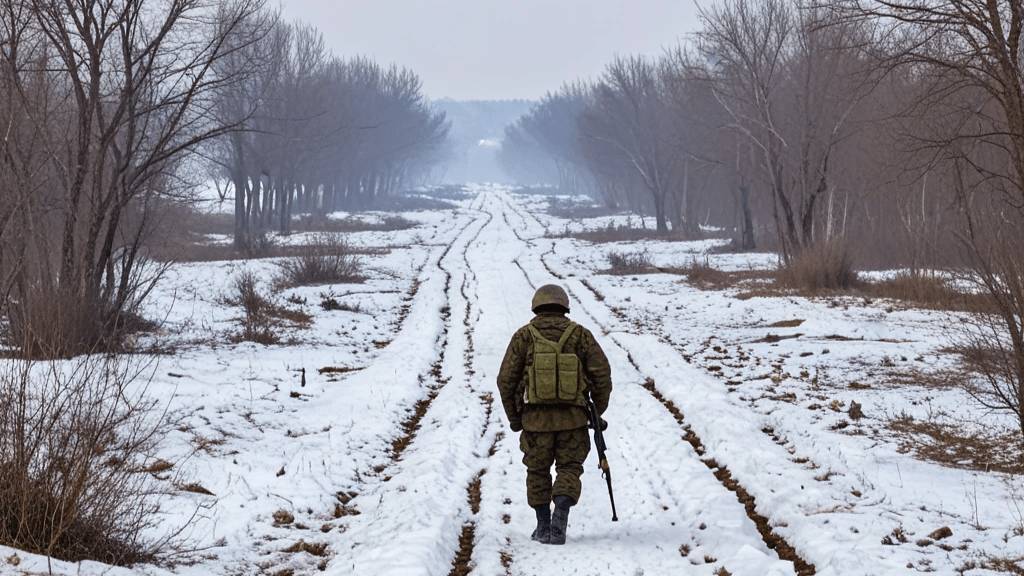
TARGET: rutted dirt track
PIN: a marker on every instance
(449, 497)
(663, 528)
(773, 540)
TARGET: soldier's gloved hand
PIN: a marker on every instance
(604, 425)
(516, 426)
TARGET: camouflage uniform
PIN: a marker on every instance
(552, 434)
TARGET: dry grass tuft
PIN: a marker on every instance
(825, 266)
(929, 291)
(262, 316)
(318, 549)
(323, 224)
(625, 264)
(328, 259)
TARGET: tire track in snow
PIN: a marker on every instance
(462, 562)
(326, 533)
(313, 524)
(654, 492)
(411, 521)
(772, 539)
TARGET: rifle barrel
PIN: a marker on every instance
(606, 471)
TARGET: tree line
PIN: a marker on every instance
(112, 112)
(889, 129)
(320, 133)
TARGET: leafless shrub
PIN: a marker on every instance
(826, 265)
(629, 263)
(258, 323)
(329, 302)
(328, 259)
(991, 342)
(701, 273)
(46, 321)
(75, 441)
(263, 317)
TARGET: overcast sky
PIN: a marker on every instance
(490, 49)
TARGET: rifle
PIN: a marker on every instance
(599, 425)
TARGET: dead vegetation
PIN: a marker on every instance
(959, 446)
(318, 549)
(283, 518)
(811, 278)
(344, 507)
(628, 263)
(999, 564)
(329, 302)
(823, 266)
(74, 481)
(327, 259)
(619, 233)
(263, 317)
(700, 273)
(321, 223)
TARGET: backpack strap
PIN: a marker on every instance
(565, 335)
(537, 335)
(561, 341)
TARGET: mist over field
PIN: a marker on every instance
(524, 288)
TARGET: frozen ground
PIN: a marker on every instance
(398, 459)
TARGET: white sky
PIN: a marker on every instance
(496, 49)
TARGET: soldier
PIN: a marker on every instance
(549, 367)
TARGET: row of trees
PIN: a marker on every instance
(108, 108)
(893, 126)
(320, 133)
(774, 120)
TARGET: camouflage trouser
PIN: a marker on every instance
(567, 450)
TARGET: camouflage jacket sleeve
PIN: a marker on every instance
(599, 372)
(509, 378)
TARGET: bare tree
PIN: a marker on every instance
(790, 84)
(115, 96)
(967, 55)
(319, 133)
(627, 114)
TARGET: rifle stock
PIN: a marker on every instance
(606, 472)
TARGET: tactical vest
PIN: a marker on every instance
(554, 377)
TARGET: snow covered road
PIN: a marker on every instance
(458, 487)
(675, 517)
(393, 456)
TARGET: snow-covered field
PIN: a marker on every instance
(397, 456)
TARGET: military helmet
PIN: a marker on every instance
(550, 294)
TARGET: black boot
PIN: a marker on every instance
(543, 531)
(560, 519)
